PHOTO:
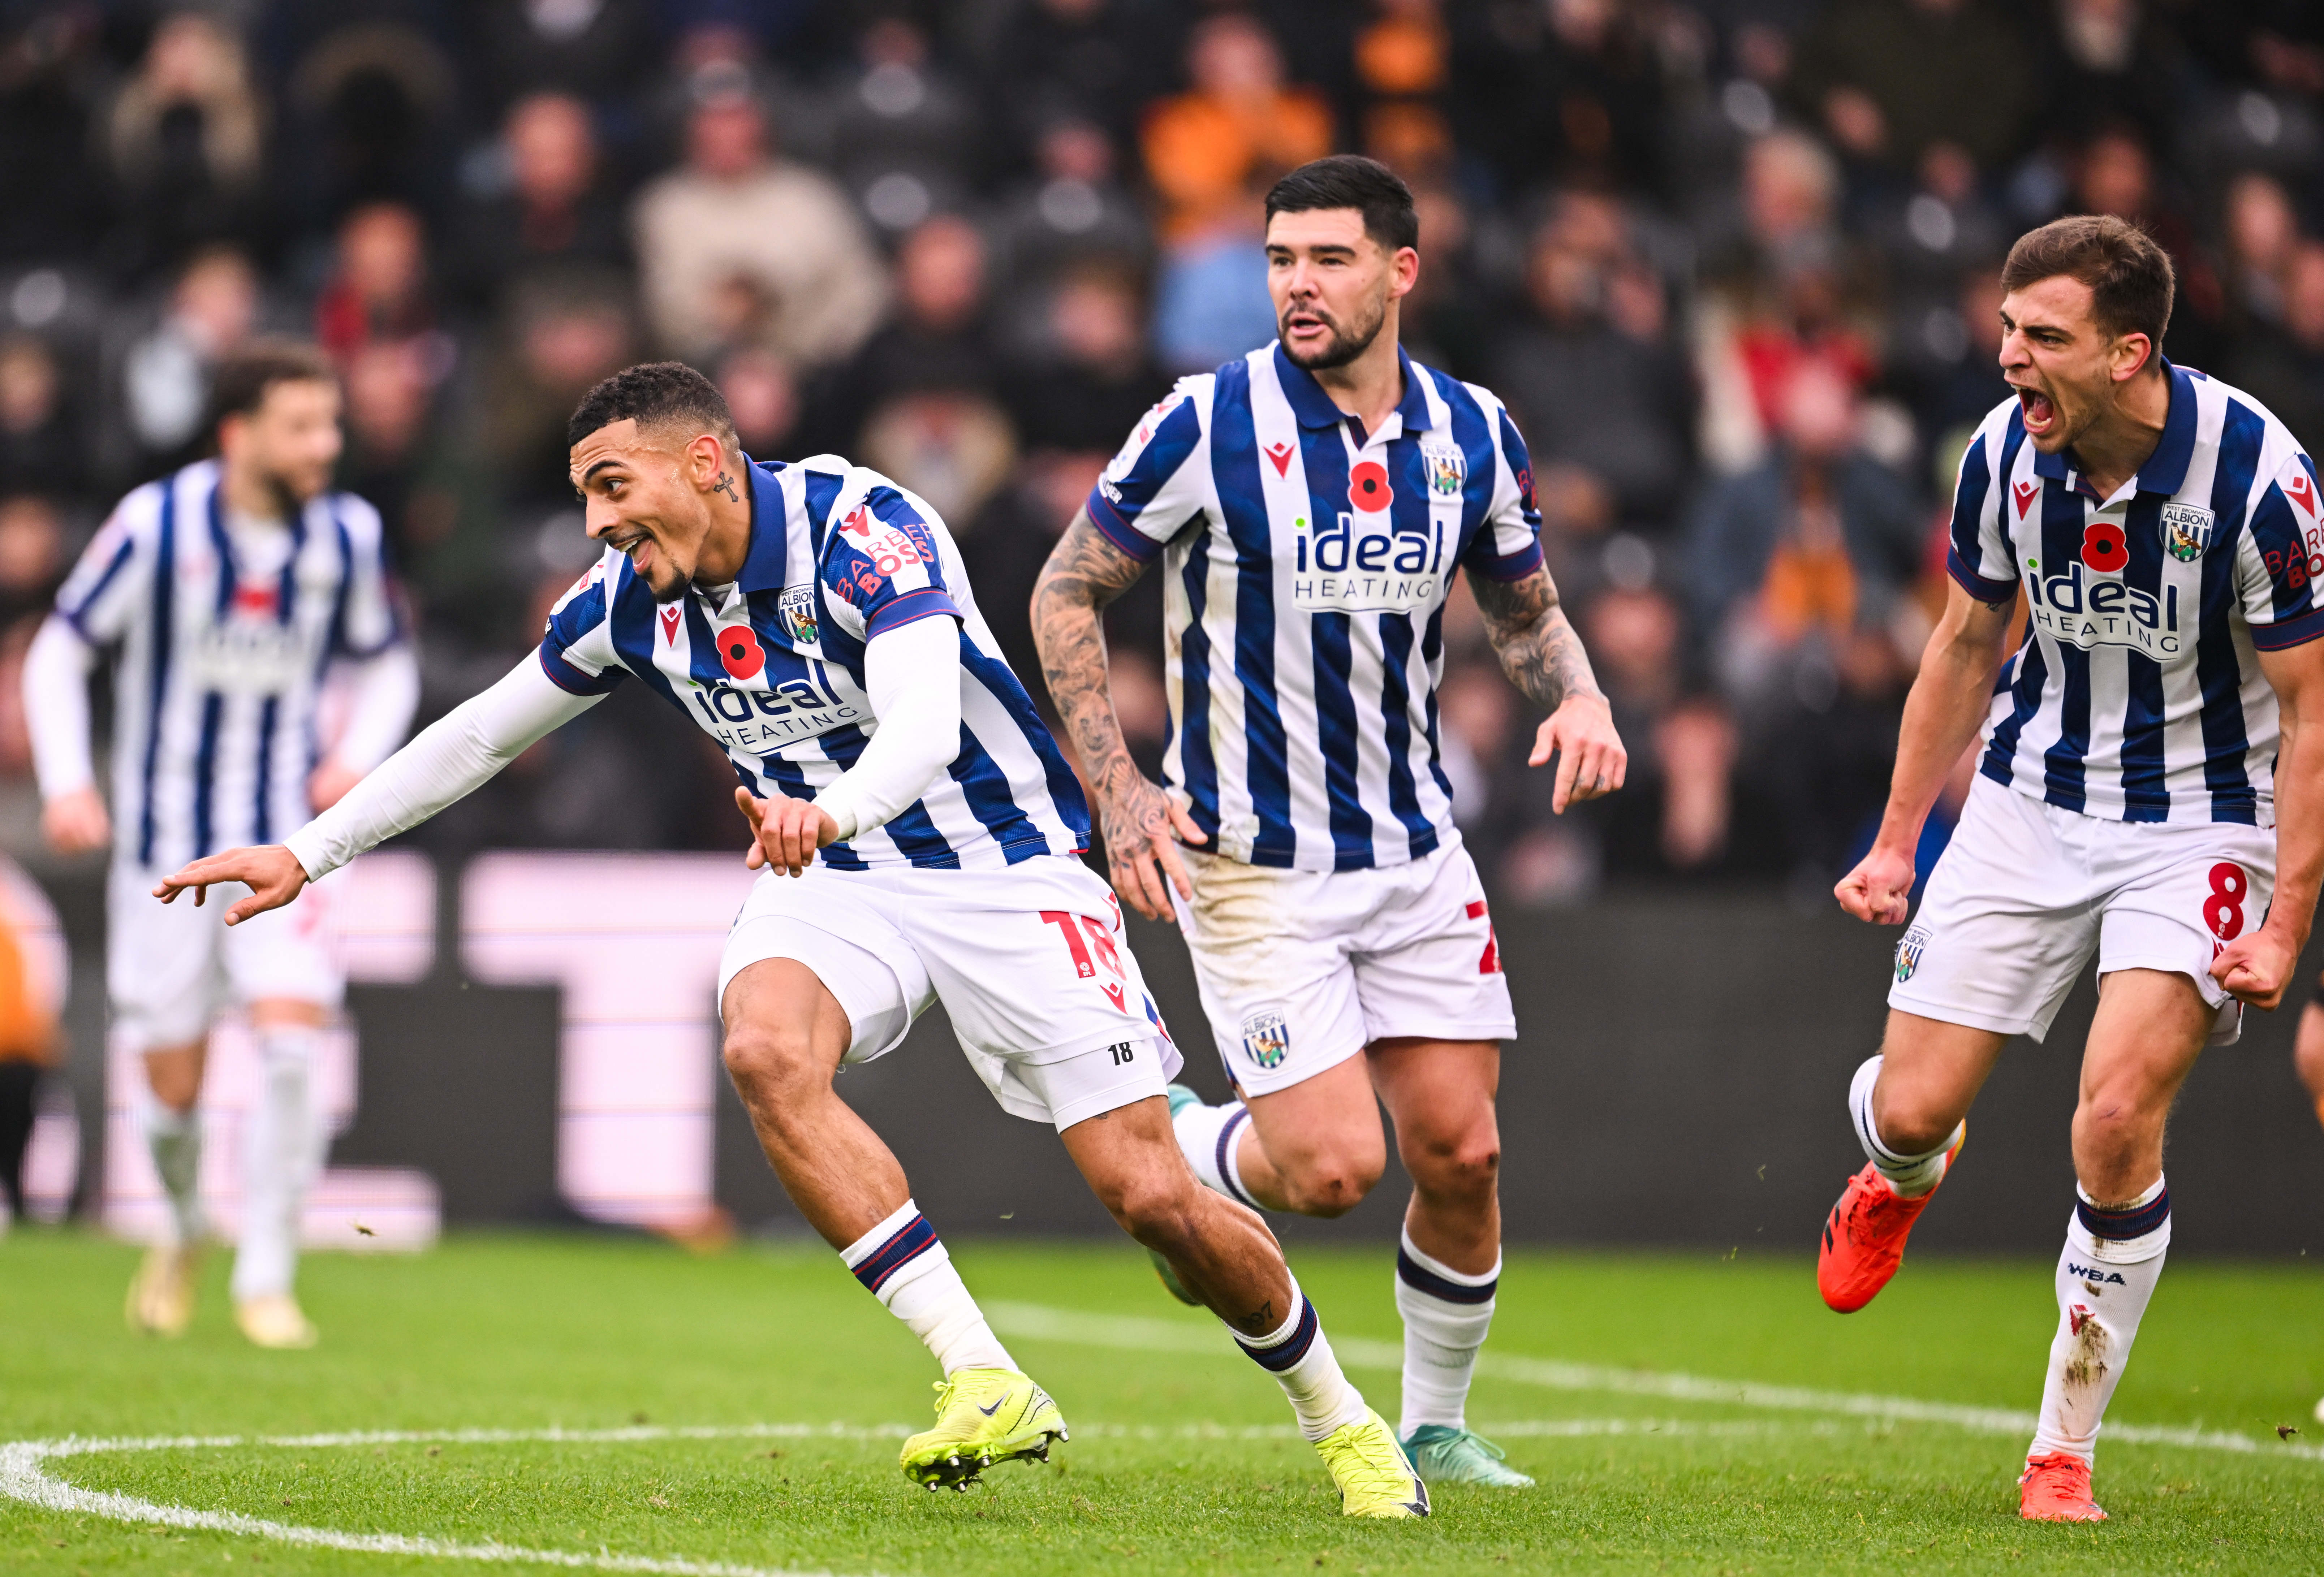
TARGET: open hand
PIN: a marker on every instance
(1141, 853)
(2256, 967)
(1880, 888)
(273, 874)
(785, 831)
(1591, 759)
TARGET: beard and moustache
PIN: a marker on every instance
(1347, 343)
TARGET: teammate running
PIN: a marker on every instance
(1311, 504)
(814, 620)
(2149, 778)
(230, 590)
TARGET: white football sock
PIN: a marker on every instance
(2113, 1259)
(905, 1265)
(1210, 1138)
(279, 1158)
(1910, 1175)
(1446, 1314)
(1299, 1355)
(175, 1138)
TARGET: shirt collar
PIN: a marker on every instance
(1314, 408)
(2165, 471)
(764, 565)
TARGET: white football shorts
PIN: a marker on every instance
(1030, 963)
(171, 969)
(2025, 892)
(1301, 970)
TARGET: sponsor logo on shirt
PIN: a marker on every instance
(2089, 610)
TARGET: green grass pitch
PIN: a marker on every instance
(741, 1412)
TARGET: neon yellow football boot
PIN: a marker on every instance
(162, 1295)
(984, 1416)
(1375, 1477)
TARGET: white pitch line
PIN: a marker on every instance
(1036, 1322)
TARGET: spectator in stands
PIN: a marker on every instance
(1096, 379)
(2284, 369)
(186, 144)
(378, 291)
(370, 105)
(732, 211)
(164, 373)
(589, 48)
(1210, 154)
(903, 131)
(2262, 232)
(763, 396)
(50, 101)
(1591, 371)
(1887, 78)
(1075, 211)
(42, 447)
(2114, 174)
(561, 334)
(556, 211)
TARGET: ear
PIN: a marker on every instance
(2134, 353)
(1403, 272)
(706, 457)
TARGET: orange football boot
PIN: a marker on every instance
(2056, 1488)
(1864, 1240)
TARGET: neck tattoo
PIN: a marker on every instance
(725, 485)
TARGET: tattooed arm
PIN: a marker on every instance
(1135, 818)
(1543, 657)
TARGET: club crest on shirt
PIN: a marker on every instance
(1447, 468)
(2186, 531)
(795, 612)
(1267, 1038)
(1909, 951)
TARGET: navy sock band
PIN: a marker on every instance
(1420, 1278)
(1227, 1132)
(2120, 1225)
(911, 1241)
(1289, 1352)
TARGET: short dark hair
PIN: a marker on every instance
(1351, 180)
(653, 394)
(239, 382)
(2129, 275)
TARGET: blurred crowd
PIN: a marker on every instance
(1730, 263)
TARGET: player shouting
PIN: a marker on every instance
(1311, 504)
(2150, 777)
(229, 589)
(815, 621)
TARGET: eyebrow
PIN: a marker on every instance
(593, 470)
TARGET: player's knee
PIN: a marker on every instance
(769, 1060)
(1467, 1166)
(1333, 1185)
(1912, 1122)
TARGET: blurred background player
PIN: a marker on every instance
(229, 592)
(815, 621)
(1312, 503)
(2153, 774)
(33, 967)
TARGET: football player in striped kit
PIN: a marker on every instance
(920, 834)
(2148, 792)
(1311, 504)
(231, 592)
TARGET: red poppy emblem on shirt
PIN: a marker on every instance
(740, 651)
(1368, 489)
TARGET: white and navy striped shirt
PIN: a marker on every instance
(773, 667)
(1307, 565)
(223, 651)
(2137, 694)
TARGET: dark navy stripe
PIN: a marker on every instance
(914, 1239)
(2032, 679)
(926, 602)
(1395, 712)
(915, 832)
(1174, 438)
(2219, 666)
(262, 823)
(1432, 647)
(1234, 470)
(2117, 1226)
(1110, 525)
(1064, 789)
(821, 489)
(1288, 1352)
(337, 642)
(1420, 1278)
(786, 777)
(1966, 555)
(1976, 585)
(2065, 764)
(2286, 633)
(164, 635)
(1198, 770)
(206, 769)
(1226, 1153)
(2145, 794)
(1475, 437)
(1335, 731)
(566, 677)
(112, 568)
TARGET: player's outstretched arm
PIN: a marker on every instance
(273, 874)
(57, 667)
(1948, 701)
(1137, 818)
(1542, 656)
(2258, 966)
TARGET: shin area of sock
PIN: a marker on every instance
(1300, 1356)
(2113, 1259)
(905, 1265)
(1447, 1315)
